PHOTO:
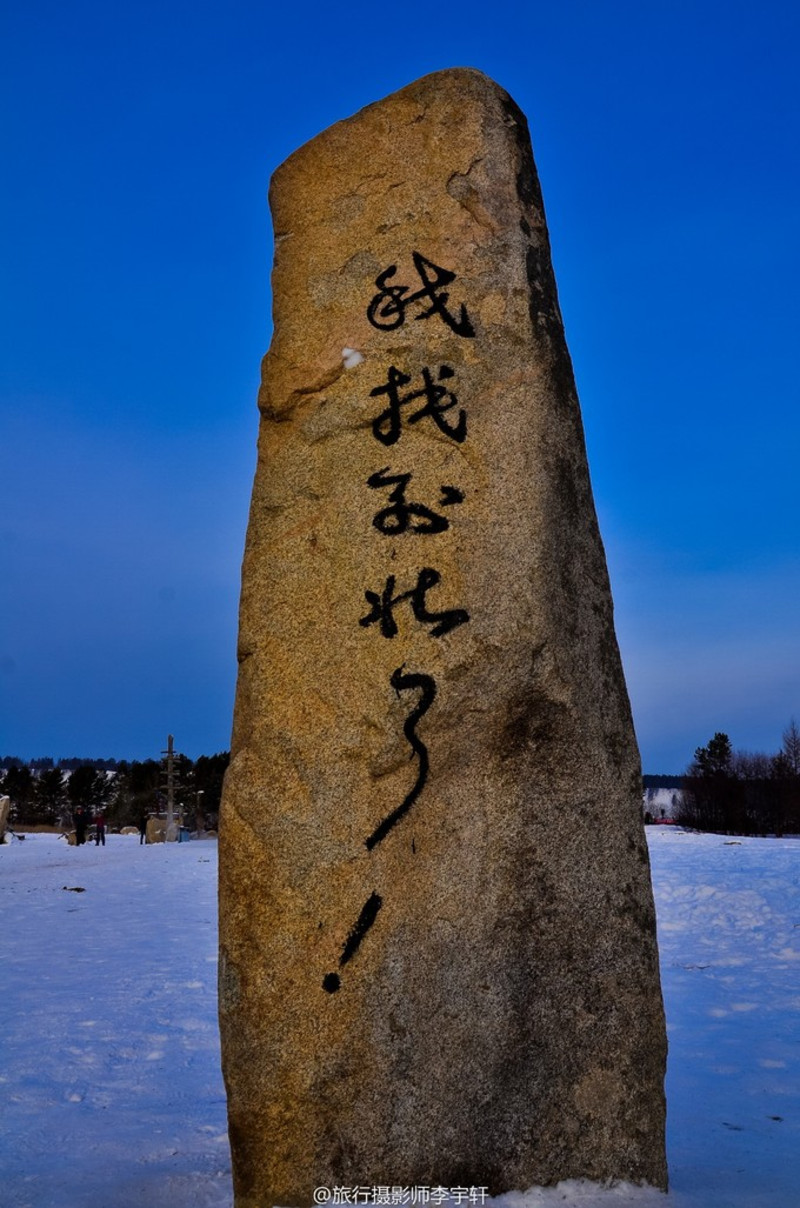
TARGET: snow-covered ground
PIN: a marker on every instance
(110, 1091)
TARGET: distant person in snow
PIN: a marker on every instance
(142, 827)
(81, 822)
(99, 828)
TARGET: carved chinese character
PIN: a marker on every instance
(387, 310)
(426, 684)
(387, 427)
(382, 607)
(401, 681)
(402, 516)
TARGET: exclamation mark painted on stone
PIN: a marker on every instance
(369, 912)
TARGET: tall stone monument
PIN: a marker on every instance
(438, 953)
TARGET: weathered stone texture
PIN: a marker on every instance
(498, 1021)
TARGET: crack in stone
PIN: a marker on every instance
(462, 190)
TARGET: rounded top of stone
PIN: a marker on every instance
(465, 81)
(447, 74)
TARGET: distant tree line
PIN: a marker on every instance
(741, 792)
(662, 782)
(46, 762)
(44, 793)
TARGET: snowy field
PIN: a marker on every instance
(110, 1091)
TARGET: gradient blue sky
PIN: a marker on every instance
(137, 145)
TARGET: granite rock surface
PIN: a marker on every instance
(438, 953)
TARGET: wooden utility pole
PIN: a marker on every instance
(170, 754)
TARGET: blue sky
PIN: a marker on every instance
(137, 143)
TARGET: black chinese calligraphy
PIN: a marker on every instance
(369, 912)
(387, 427)
(426, 685)
(401, 681)
(382, 606)
(387, 310)
(404, 517)
(436, 402)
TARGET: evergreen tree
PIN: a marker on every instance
(81, 786)
(89, 787)
(709, 797)
(716, 758)
(789, 771)
(18, 784)
(791, 747)
(136, 790)
(209, 772)
(50, 799)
